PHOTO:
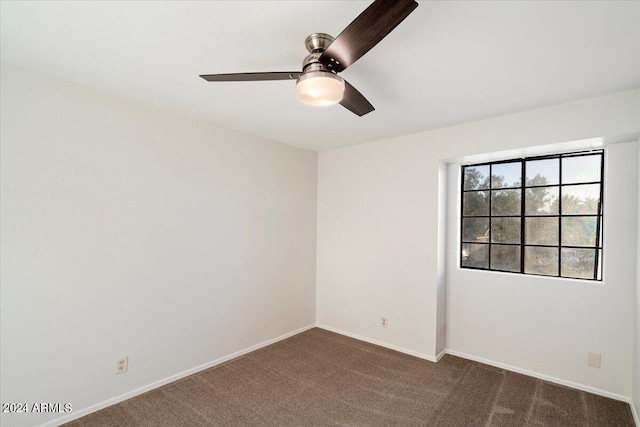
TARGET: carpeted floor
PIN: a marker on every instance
(319, 378)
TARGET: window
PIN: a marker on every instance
(549, 223)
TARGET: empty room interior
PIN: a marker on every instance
(320, 213)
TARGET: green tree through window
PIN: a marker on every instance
(551, 225)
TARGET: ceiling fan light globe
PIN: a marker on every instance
(320, 88)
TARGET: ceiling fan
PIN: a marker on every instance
(318, 83)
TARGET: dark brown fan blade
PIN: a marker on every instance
(251, 77)
(354, 101)
(366, 31)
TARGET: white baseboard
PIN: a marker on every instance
(136, 392)
(634, 411)
(160, 383)
(380, 343)
(549, 378)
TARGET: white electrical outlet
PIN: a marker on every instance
(594, 360)
(122, 365)
(384, 322)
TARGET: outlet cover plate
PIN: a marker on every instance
(122, 365)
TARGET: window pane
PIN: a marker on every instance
(505, 202)
(551, 232)
(475, 230)
(580, 199)
(541, 231)
(581, 169)
(504, 175)
(476, 203)
(578, 263)
(505, 230)
(476, 177)
(541, 261)
(579, 231)
(475, 255)
(505, 258)
(542, 172)
(541, 201)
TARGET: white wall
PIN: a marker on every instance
(128, 230)
(378, 230)
(547, 325)
(636, 353)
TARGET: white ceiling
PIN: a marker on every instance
(447, 63)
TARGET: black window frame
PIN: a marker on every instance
(599, 215)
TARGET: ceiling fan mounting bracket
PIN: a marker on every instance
(318, 42)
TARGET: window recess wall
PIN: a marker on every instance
(547, 325)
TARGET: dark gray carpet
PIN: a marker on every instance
(319, 378)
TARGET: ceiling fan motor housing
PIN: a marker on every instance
(316, 44)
